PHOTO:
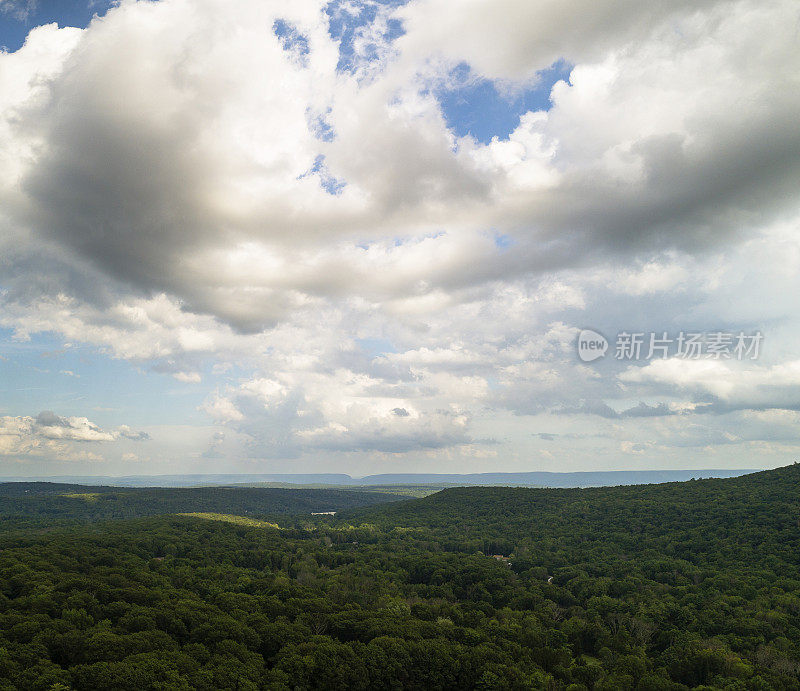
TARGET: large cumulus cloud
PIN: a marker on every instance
(160, 155)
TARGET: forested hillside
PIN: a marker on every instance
(691, 585)
(51, 501)
(696, 520)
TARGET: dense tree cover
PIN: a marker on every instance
(21, 489)
(53, 501)
(687, 585)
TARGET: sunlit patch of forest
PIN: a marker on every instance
(228, 518)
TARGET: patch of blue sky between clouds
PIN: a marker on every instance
(332, 185)
(375, 347)
(319, 126)
(484, 108)
(363, 28)
(503, 242)
(44, 373)
(18, 17)
(292, 40)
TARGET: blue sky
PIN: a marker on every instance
(485, 108)
(44, 373)
(364, 236)
(17, 18)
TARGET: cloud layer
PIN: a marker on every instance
(267, 190)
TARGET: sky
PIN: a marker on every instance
(367, 237)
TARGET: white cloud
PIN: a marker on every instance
(50, 436)
(340, 409)
(730, 383)
(509, 39)
(50, 426)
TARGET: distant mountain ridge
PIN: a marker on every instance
(552, 479)
(526, 479)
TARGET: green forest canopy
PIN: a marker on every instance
(675, 586)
